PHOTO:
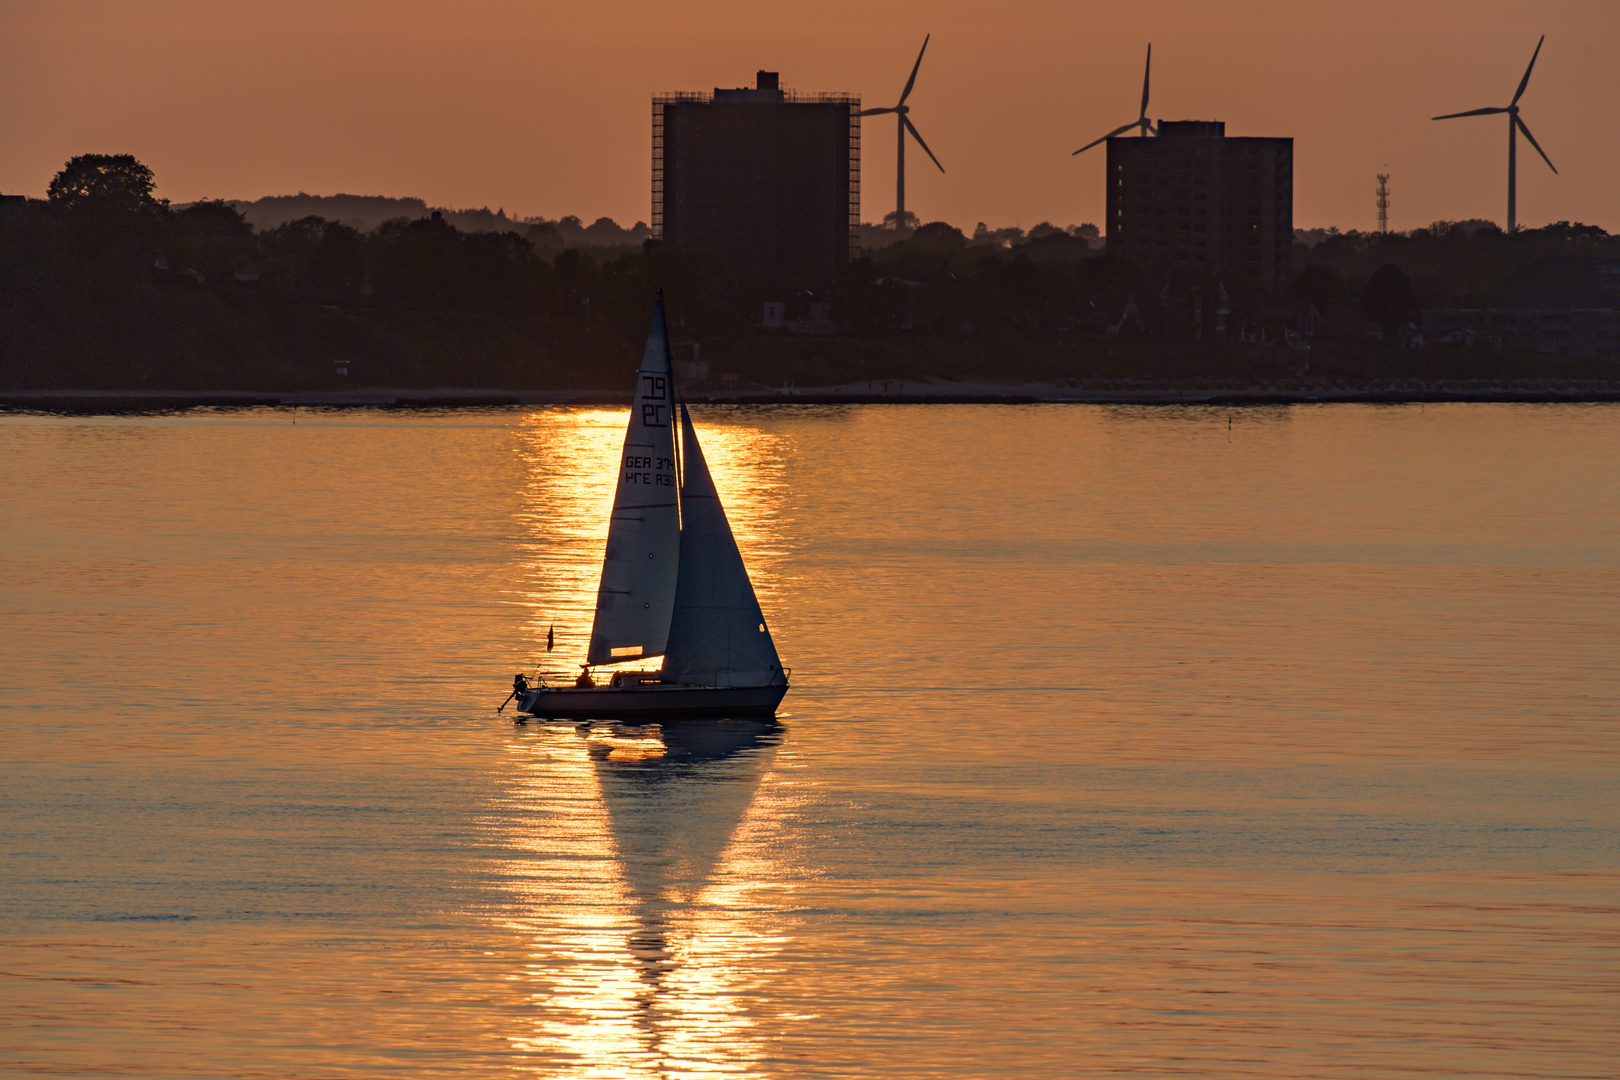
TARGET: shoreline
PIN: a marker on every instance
(916, 393)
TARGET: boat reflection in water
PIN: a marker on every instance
(643, 961)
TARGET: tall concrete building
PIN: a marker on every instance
(768, 179)
(1194, 200)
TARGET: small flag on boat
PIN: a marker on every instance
(550, 641)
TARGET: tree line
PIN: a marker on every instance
(105, 284)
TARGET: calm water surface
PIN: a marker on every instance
(1163, 742)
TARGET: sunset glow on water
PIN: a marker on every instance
(1150, 741)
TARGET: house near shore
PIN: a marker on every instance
(1564, 307)
(804, 314)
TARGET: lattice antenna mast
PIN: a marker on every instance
(1383, 202)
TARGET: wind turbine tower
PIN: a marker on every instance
(900, 110)
(1383, 203)
(1515, 125)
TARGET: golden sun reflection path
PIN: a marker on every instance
(631, 853)
(570, 462)
(635, 851)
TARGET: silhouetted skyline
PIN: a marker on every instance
(494, 103)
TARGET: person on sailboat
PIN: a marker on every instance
(673, 581)
(519, 685)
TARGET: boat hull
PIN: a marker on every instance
(649, 702)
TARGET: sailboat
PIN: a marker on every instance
(673, 582)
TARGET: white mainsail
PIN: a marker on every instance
(637, 593)
(717, 634)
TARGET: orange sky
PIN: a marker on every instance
(543, 108)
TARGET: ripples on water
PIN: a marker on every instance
(1121, 741)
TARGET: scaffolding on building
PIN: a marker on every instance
(854, 178)
(790, 97)
(1383, 203)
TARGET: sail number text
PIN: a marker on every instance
(650, 471)
(654, 388)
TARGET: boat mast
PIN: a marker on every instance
(680, 473)
(680, 403)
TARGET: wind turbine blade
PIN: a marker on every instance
(1105, 138)
(1471, 112)
(1524, 82)
(913, 80)
(1146, 71)
(906, 120)
(873, 112)
(1526, 130)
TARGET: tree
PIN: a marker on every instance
(104, 182)
(1388, 299)
(545, 237)
(212, 237)
(1317, 284)
(604, 232)
(1008, 237)
(939, 234)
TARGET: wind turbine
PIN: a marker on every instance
(1515, 125)
(900, 109)
(1141, 121)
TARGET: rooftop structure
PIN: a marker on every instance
(1193, 199)
(767, 179)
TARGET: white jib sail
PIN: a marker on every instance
(637, 593)
(717, 635)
